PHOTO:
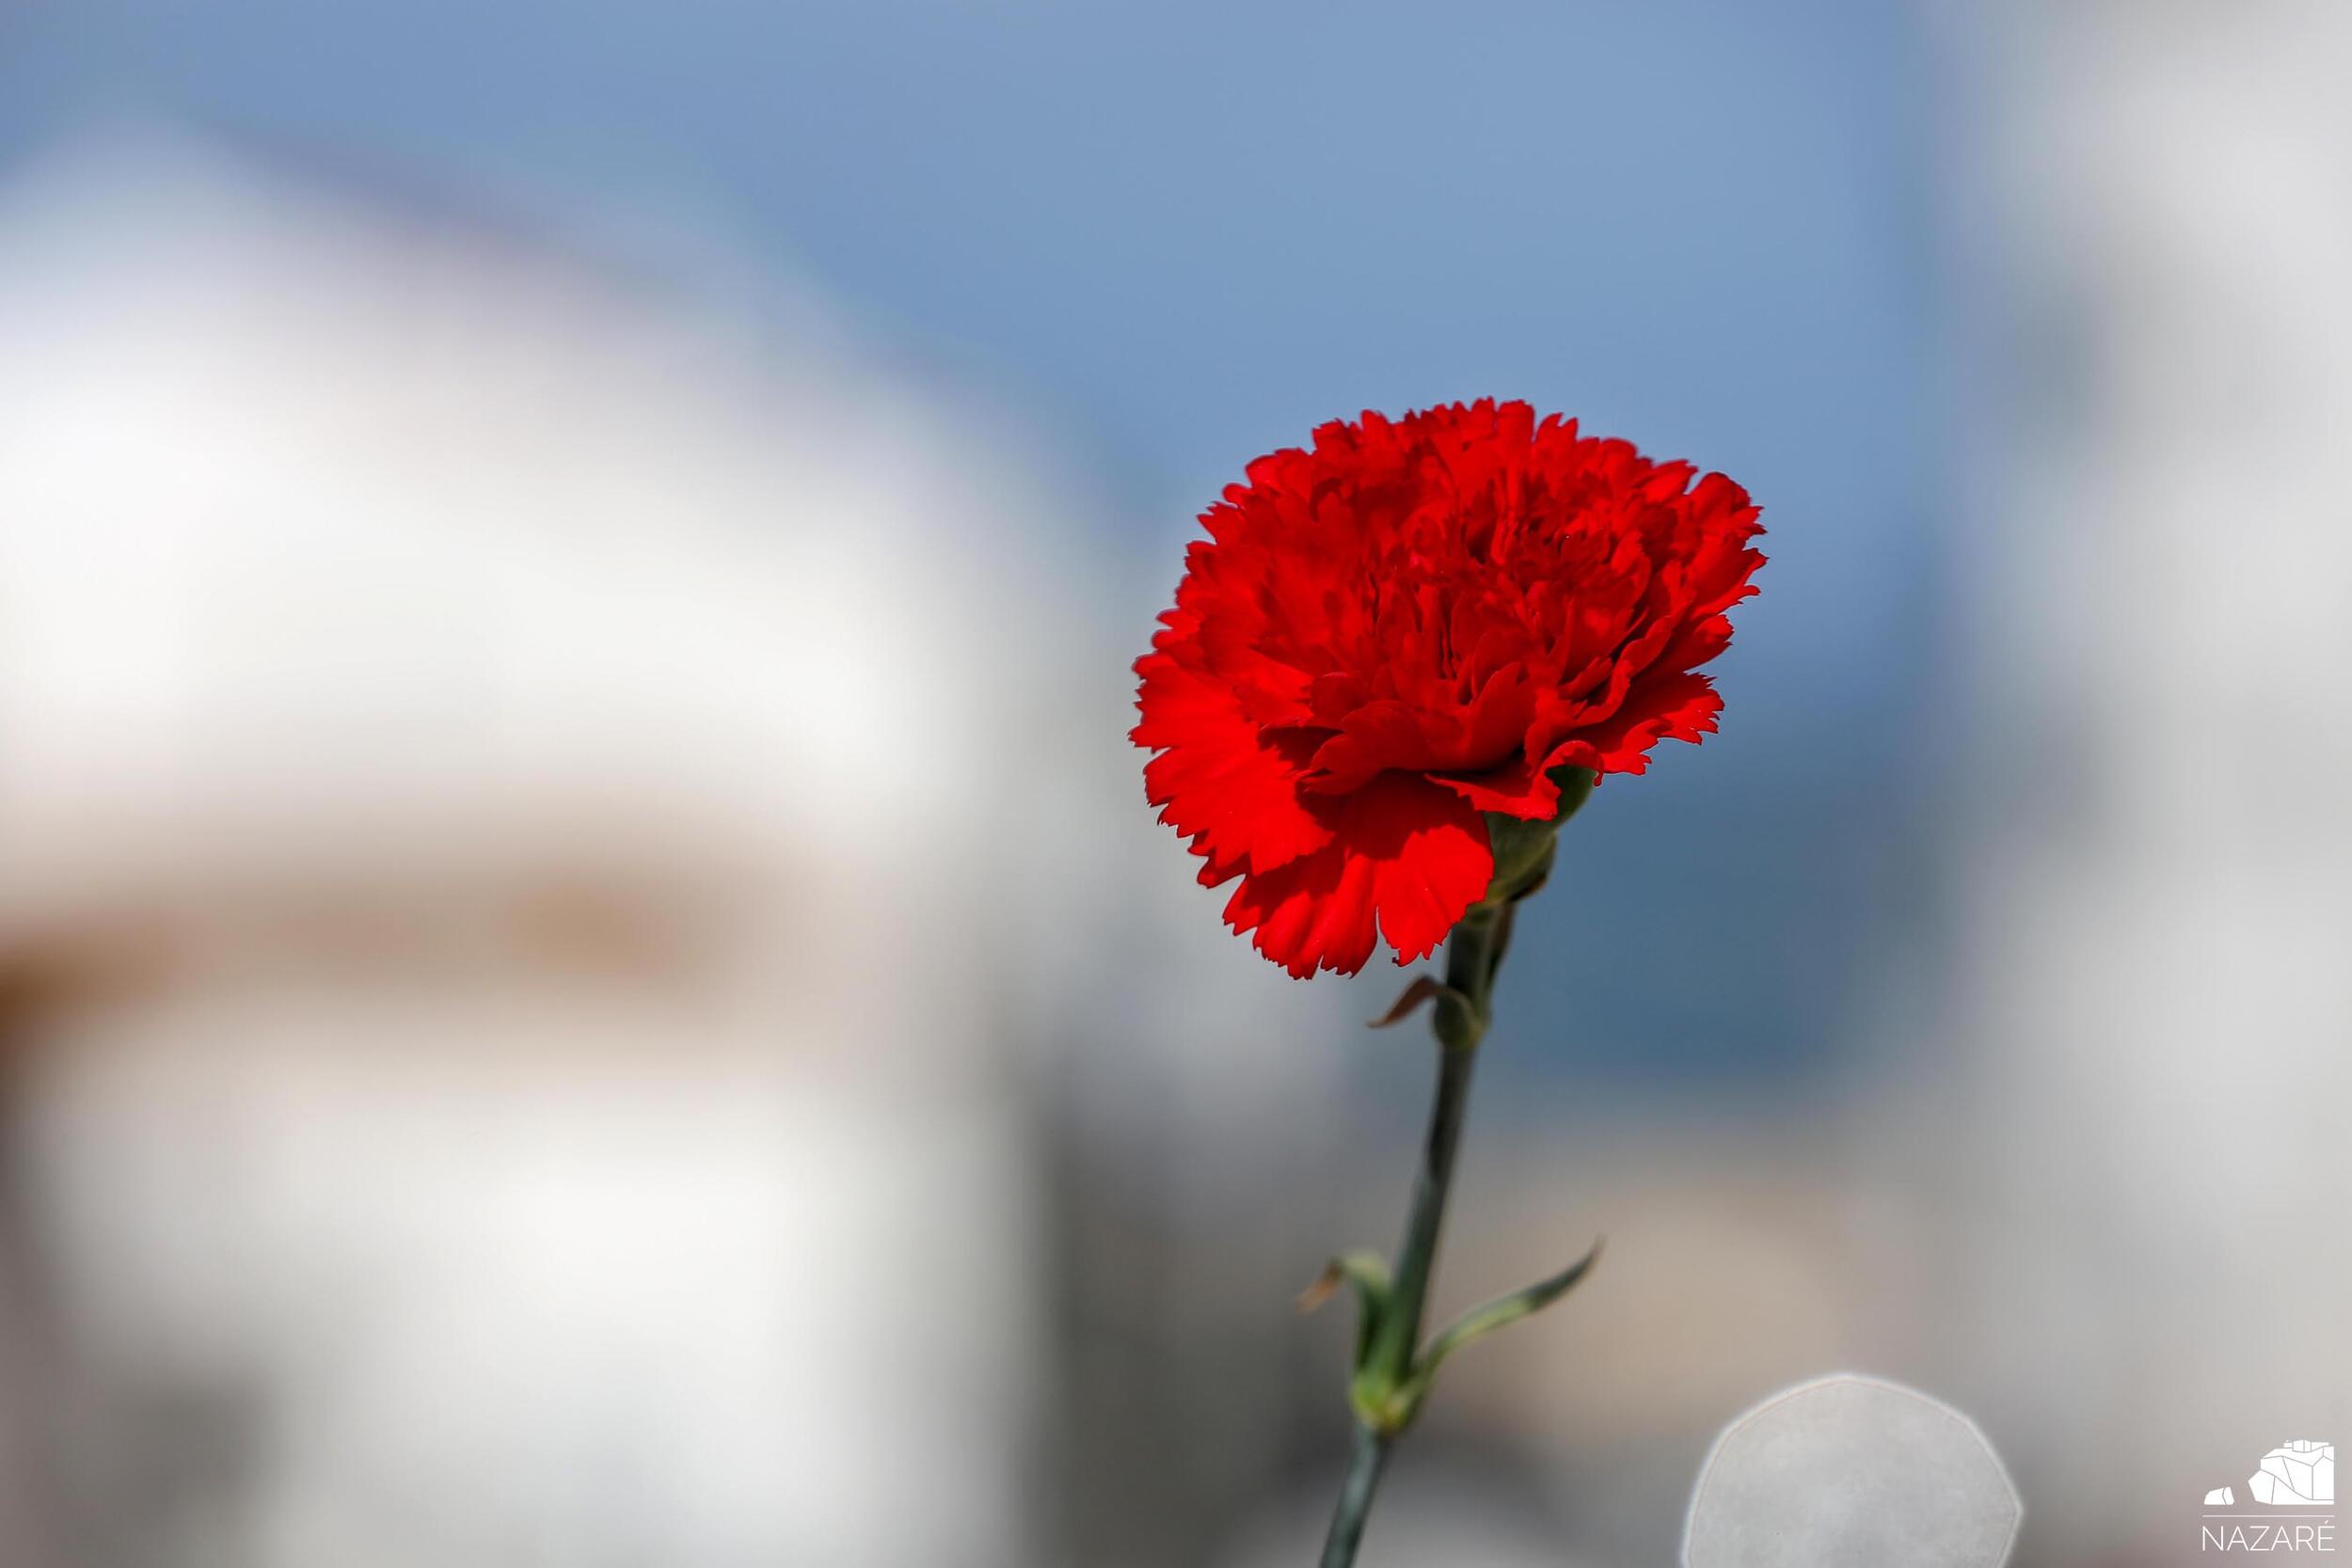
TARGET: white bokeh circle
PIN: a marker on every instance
(1852, 1472)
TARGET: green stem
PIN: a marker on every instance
(1474, 954)
(1354, 1505)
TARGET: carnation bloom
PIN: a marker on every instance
(1417, 623)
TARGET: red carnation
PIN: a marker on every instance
(1417, 623)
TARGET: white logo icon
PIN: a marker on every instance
(2295, 1473)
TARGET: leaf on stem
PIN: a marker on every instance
(1500, 1313)
(1422, 990)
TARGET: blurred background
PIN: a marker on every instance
(584, 976)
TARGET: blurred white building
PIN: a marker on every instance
(520, 804)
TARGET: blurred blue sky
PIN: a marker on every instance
(1177, 236)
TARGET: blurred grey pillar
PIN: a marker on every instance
(2158, 863)
(29, 1496)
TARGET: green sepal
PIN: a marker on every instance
(1368, 1273)
(1523, 850)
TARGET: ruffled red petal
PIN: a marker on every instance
(1406, 856)
(1225, 783)
(1680, 707)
